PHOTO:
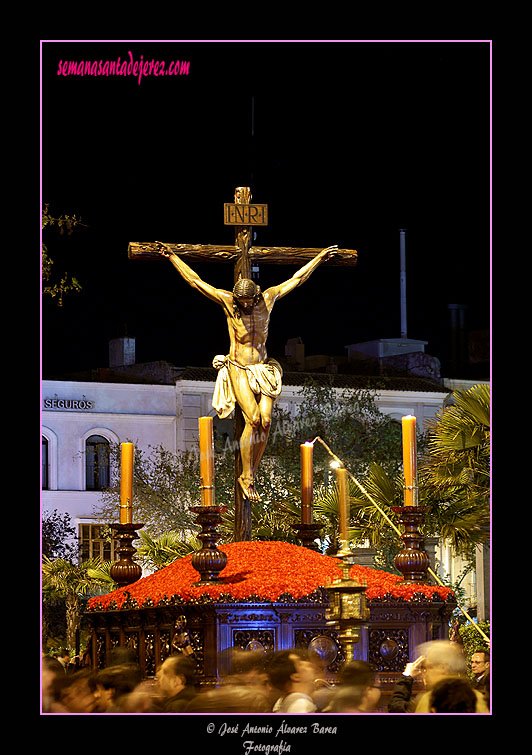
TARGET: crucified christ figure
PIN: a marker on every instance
(247, 376)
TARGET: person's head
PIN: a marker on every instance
(246, 293)
(248, 667)
(348, 699)
(143, 699)
(112, 683)
(357, 675)
(452, 696)
(292, 671)
(176, 673)
(442, 659)
(64, 656)
(50, 670)
(480, 662)
(75, 692)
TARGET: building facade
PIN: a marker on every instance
(80, 422)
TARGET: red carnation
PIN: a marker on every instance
(265, 569)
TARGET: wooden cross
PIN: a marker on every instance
(244, 216)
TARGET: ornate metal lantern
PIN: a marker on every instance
(348, 610)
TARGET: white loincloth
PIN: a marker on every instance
(263, 378)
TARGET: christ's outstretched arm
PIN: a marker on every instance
(276, 292)
(191, 277)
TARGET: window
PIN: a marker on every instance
(97, 463)
(94, 541)
(44, 463)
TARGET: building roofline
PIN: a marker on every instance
(334, 380)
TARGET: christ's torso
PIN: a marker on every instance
(248, 334)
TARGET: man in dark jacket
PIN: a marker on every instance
(401, 700)
(480, 666)
(176, 683)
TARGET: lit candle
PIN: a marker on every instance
(343, 501)
(206, 461)
(306, 482)
(410, 460)
(126, 483)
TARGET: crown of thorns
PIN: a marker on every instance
(245, 288)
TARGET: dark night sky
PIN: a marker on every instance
(352, 141)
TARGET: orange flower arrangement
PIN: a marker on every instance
(264, 571)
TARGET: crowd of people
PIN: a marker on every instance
(289, 681)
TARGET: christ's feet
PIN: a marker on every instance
(248, 489)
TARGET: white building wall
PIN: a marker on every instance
(73, 411)
(450, 568)
(194, 397)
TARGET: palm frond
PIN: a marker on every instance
(462, 523)
(464, 425)
(63, 578)
(102, 574)
(163, 550)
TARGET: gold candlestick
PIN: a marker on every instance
(125, 571)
